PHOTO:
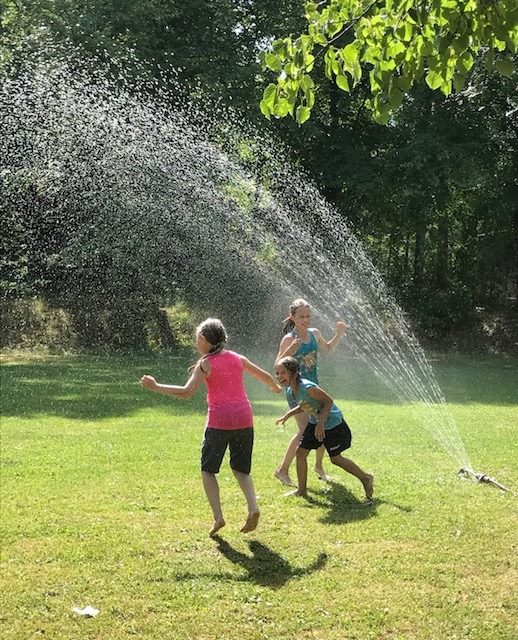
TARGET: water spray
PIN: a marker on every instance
(481, 477)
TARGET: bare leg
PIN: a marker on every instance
(319, 467)
(247, 487)
(351, 467)
(282, 472)
(211, 486)
(302, 472)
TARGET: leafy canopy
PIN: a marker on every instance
(393, 43)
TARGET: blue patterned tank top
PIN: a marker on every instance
(306, 356)
(311, 406)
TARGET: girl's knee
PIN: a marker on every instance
(301, 453)
(336, 459)
(236, 472)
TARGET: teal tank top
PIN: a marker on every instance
(306, 356)
(311, 406)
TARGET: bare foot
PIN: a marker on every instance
(218, 524)
(296, 494)
(322, 475)
(284, 478)
(368, 485)
(251, 522)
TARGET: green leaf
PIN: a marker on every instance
(342, 82)
(395, 49)
(433, 80)
(381, 118)
(404, 83)
(395, 98)
(279, 47)
(350, 54)
(321, 39)
(273, 61)
(303, 114)
(269, 95)
(465, 61)
(306, 82)
(282, 108)
(265, 109)
(504, 66)
(459, 81)
(460, 44)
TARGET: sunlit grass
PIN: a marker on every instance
(102, 504)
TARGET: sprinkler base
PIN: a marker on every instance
(481, 477)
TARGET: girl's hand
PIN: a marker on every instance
(148, 382)
(319, 432)
(280, 421)
(340, 328)
(295, 344)
(277, 388)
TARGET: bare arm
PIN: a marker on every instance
(330, 345)
(288, 347)
(289, 414)
(327, 402)
(260, 374)
(184, 392)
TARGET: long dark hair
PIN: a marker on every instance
(288, 324)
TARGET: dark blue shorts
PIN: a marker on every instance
(336, 440)
(215, 442)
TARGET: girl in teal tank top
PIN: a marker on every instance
(326, 426)
(306, 356)
(303, 343)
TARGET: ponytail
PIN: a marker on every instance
(287, 325)
(215, 333)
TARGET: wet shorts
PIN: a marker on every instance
(215, 442)
(336, 440)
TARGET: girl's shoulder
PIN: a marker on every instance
(314, 333)
(229, 355)
(307, 384)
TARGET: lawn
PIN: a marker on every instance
(102, 505)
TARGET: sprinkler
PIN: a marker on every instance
(481, 477)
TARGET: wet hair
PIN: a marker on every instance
(215, 333)
(288, 324)
(291, 365)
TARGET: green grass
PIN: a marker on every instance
(102, 504)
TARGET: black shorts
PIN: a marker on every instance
(215, 443)
(336, 440)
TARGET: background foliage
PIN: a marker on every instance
(433, 195)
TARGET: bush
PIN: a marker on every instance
(32, 324)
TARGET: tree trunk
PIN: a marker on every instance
(420, 237)
(442, 270)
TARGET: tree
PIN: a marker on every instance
(396, 43)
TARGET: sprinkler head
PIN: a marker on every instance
(480, 477)
(466, 472)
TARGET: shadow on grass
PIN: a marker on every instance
(342, 506)
(265, 566)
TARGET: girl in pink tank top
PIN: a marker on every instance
(229, 417)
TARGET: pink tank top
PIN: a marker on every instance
(228, 404)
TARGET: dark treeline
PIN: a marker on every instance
(433, 195)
